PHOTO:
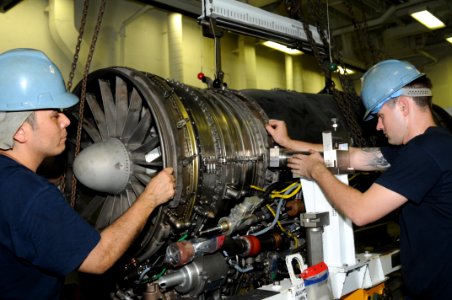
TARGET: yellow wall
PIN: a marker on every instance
(142, 37)
(441, 76)
(137, 36)
(26, 25)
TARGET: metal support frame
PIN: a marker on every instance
(314, 223)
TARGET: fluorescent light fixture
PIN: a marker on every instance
(427, 19)
(342, 71)
(449, 38)
(282, 48)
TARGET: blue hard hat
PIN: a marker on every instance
(383, 82)
(29, 80)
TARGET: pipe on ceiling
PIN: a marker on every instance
(175, 46)
(122, 29)
(61, 25)
(380, 20)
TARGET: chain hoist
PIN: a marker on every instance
(296, 12)
(84, 80)
(347, 100)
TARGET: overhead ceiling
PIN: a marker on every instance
(363, 31)
(390, 31)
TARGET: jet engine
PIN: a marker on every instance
(233, 218)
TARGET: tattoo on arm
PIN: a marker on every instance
(375, 159)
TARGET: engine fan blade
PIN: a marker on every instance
(137, 187)
(109, 107)
(105, 214)
(91, 130)
(133, 115)
(98, 115)
(121, 105)
(140, 131)
(148, 154)
(143, 178)
(91, 211)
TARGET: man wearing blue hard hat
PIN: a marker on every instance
(417, 175)
(42, 238)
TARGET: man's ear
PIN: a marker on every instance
(20, 135)
(404, 105)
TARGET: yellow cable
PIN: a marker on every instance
(282, 228)
(290, 186)
(279, 194)
(256, 188)
(283, 196)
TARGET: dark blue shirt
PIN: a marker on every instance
(421, 171)
(42, 238)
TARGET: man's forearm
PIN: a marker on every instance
(368, 159)
(343, 197)
(297, 145)
(117, 237)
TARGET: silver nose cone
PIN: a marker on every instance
(104, 167)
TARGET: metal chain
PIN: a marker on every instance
(347, 101)
(318, 56)
(81, 31)
(376, 53)
(74, 67)
(83, 94)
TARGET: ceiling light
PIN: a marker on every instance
(282, 48)
(448, 38)
(427, 19)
